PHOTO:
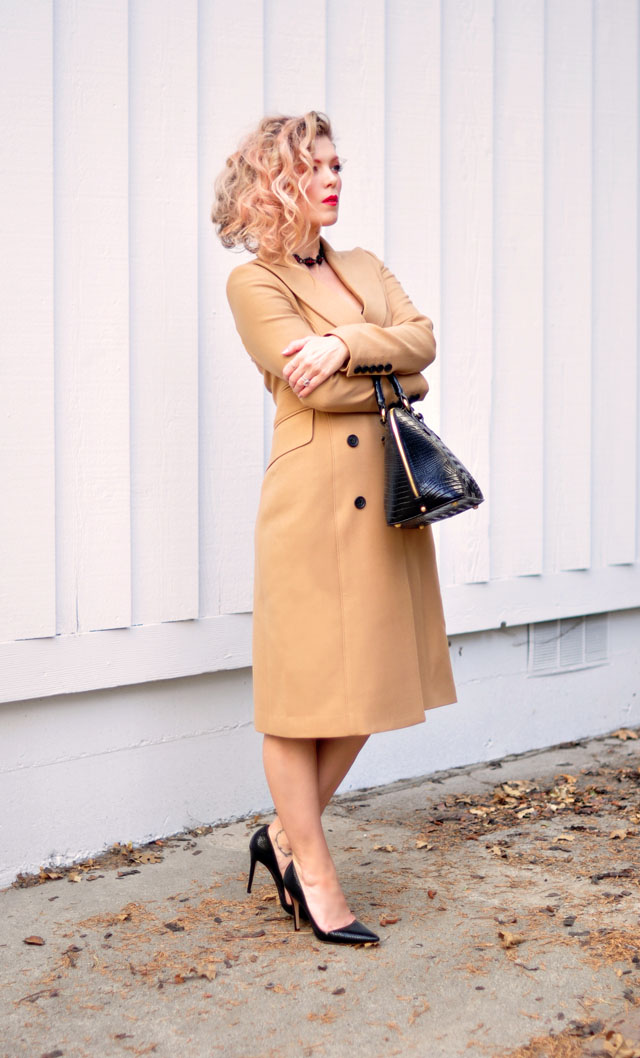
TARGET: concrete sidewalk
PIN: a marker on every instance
(506, 896)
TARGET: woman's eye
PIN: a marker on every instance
(337, 168)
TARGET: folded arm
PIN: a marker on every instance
(267, 320)
(405, 347)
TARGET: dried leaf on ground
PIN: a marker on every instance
(48, 874)
(149, 857)
(389, 920)
(518, 787)
(206, 970)
(510, 940)
(498, 850)
(617, 1046)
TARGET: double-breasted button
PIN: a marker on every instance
(360, 502)
(357, 369)
(387, 367)
(380, 368)
(353, 440)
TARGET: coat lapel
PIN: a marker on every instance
(358, 273)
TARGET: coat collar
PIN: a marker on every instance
(353, 268)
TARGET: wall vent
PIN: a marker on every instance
(569, 644)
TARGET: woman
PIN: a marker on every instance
(349, 635)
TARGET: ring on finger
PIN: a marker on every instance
(306, 381)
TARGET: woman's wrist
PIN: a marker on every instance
(342, 342)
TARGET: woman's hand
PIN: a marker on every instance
(313, 360)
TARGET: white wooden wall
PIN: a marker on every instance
(492, 159)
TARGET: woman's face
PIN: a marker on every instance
(323, 190)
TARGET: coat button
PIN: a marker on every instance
(387, 367)
(380, 368)
(357, 369)
(353, 440)
(360, 502)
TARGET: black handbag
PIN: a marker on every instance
(423, 480)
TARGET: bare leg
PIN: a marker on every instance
(335, 757)
(293, 768)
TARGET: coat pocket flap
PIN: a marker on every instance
(294, 431)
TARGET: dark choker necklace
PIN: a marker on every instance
(311, 261)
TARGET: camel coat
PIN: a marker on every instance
(349, 634)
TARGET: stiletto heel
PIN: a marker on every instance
(296, 913)
(353, 933)
(261, 851)
(252, 869)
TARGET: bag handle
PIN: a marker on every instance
(398, 390)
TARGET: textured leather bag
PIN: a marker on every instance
(423, 480)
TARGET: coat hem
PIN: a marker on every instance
(289, 729)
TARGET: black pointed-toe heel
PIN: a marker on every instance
(261, 851)
(353, 933)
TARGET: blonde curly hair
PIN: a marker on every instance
(259, 194)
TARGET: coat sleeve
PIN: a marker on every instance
(267, 320)
(405, 347)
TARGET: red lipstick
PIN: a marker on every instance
(332, 200)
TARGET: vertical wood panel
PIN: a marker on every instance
(467, 267)
(412, 163)
(356, 104)
(231, 402)
(568, 263)
(92, 315)
(27, 547)
(516, 493)
(294, 56)
(164, 310)
(458, 146)
(615, 281)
